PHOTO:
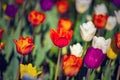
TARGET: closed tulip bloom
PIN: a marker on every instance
(1, 32)
(100, 20)
(93, 58)
(24, 45)
(46, 5)
(61, 38)
(100, 9)
(2, 45)
(101, 43)
(71, 65)
(36, 18)
(117, 40)
(82, 5)
(11, 10)
(117, 14)
(62, 6)
(76, 50)
(65, 23)
(87, 31)
(116, 2)
(111, 22)
(111, 54)
(19, 1)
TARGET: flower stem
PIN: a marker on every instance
(87, 75)
(99, 32)
(18, 73)
(118, 73)
(58, 64)
(67, 78)
(85, 47)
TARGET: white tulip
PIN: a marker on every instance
(111, 22)
(87, 31)
(82, 5)
(101, 43)
(76, 50)
(100, 9)
(117, 14)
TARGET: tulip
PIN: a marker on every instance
(46, 5)
(76, 50)
(100, 20)
(117, 14)
(100, 9)
(65, 23)
(24, 45)
(93, 57)
(2, 45)
(29, 70)
(1, 32)
(71, 64)
(101, 43)
(19, 1)
(116, 2)
(61, 38)
(117, 40)
(111, 54)
(62, 6)
(82, 5)
(36, 18)
(11, 10)
(111, 22)
(87, 31)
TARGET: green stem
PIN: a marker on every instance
(85, 47)
(118, 73)
(87, 75)
(18, 73)
(58, 64)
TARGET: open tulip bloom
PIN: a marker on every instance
(87, 31)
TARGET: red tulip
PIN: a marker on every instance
(24, 45)
(1, 45)
(65, 23)
(19, 1)
(36, 18)
(71, 65)
(1, 33)
(62, 6)
(61, 37)
(100, 20)
(117, 39)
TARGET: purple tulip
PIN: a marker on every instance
(46, 5)
(116, 2)
(93, 58)
(11, 10)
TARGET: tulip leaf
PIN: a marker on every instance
(11, 71)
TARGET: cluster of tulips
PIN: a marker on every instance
(91, 54)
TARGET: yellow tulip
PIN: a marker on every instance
(111, 54)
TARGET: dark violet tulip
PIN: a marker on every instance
(11, 10)
(46, 5)
(116, 2)
(93, 58)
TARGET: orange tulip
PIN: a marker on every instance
(1, 45)
(24, 45)
(65, 23)
(100, 20)
(117, 39)
(71, 64)
(61, 37)
(1, 33)
(62, 6)
(36, 18)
